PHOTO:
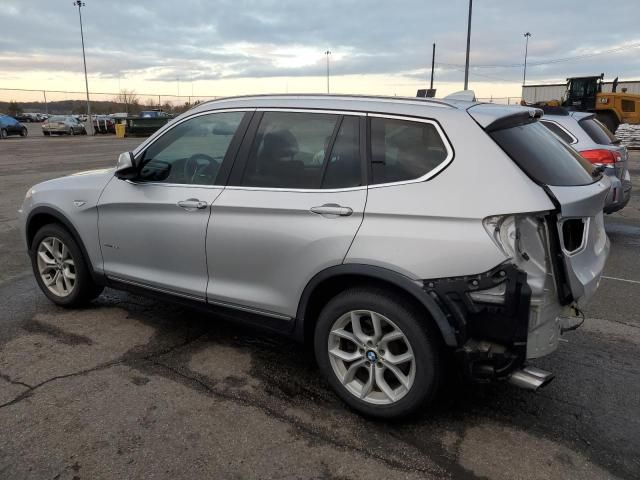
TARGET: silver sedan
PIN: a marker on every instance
(63, 124)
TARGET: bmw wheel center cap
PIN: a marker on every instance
(372, 356)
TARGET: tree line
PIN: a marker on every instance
(127, 101)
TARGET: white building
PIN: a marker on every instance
(555, 91)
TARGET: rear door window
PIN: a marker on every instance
(404, 150)
(597, 131)
(299, 150)
(558, 130)
(542, 156)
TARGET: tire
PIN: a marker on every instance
(84, 131)
(46, 134)
(72, 131)
(3, 133)
(79, 291)
(420, 340)
(24, 132)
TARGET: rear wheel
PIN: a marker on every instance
(60, 268)
(72, 131)
(24, 132)
(381, 356)
(3, 133)
(46, 134)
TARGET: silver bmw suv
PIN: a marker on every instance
(393, 235)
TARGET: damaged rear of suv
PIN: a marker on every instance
(517, 311)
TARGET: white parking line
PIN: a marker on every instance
(621, 279)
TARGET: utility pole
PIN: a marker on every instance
(526, 51)
(433, 63)
(327, 53)
(80, 4)
(466, 65)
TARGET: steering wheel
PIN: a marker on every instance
(201, 164)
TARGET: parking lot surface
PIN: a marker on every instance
(134, 388)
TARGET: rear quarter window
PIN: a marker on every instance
(404, 150)
(542, 156)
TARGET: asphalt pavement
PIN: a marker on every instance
(135, 388)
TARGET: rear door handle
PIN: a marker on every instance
(332, 209)
(191, 204)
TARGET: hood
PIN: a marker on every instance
(88, 181)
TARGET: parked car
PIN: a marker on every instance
(23, 117)
(11, 126)
(593, 140)
(103, 124)
(154, 114)
(65, 124)
(392, 235)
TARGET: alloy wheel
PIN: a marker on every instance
(56, 266)
(371, 357)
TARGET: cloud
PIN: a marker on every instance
(200, 40)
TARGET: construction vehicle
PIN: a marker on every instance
(612, 108)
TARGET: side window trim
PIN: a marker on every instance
(329, 150)
(237, 172)
(430, 174)
(230, 155)
(564, 130)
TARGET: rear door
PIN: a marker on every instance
(292, 208)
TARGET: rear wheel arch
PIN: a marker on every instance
(331, 281)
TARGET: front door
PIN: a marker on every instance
(294, 203)
(153, 228)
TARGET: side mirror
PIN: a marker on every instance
(126, 168)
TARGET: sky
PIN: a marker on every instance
(220, 48)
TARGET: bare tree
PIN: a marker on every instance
(129, 98)
(14, 108)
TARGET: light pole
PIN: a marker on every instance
(526, 51)
(84, 60)
(327, 53)
(466, 64)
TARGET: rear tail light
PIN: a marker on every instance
(601, 157)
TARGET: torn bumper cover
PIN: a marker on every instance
(490, 313)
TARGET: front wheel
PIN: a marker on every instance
(380, 355)
(60, 269)
(24, 132)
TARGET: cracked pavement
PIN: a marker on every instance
(135, 388)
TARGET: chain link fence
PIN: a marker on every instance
(58, 102)
(501, 100)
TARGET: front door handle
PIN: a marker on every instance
(192, 204)
(332, 209)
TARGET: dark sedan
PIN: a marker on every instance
(10, 126)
